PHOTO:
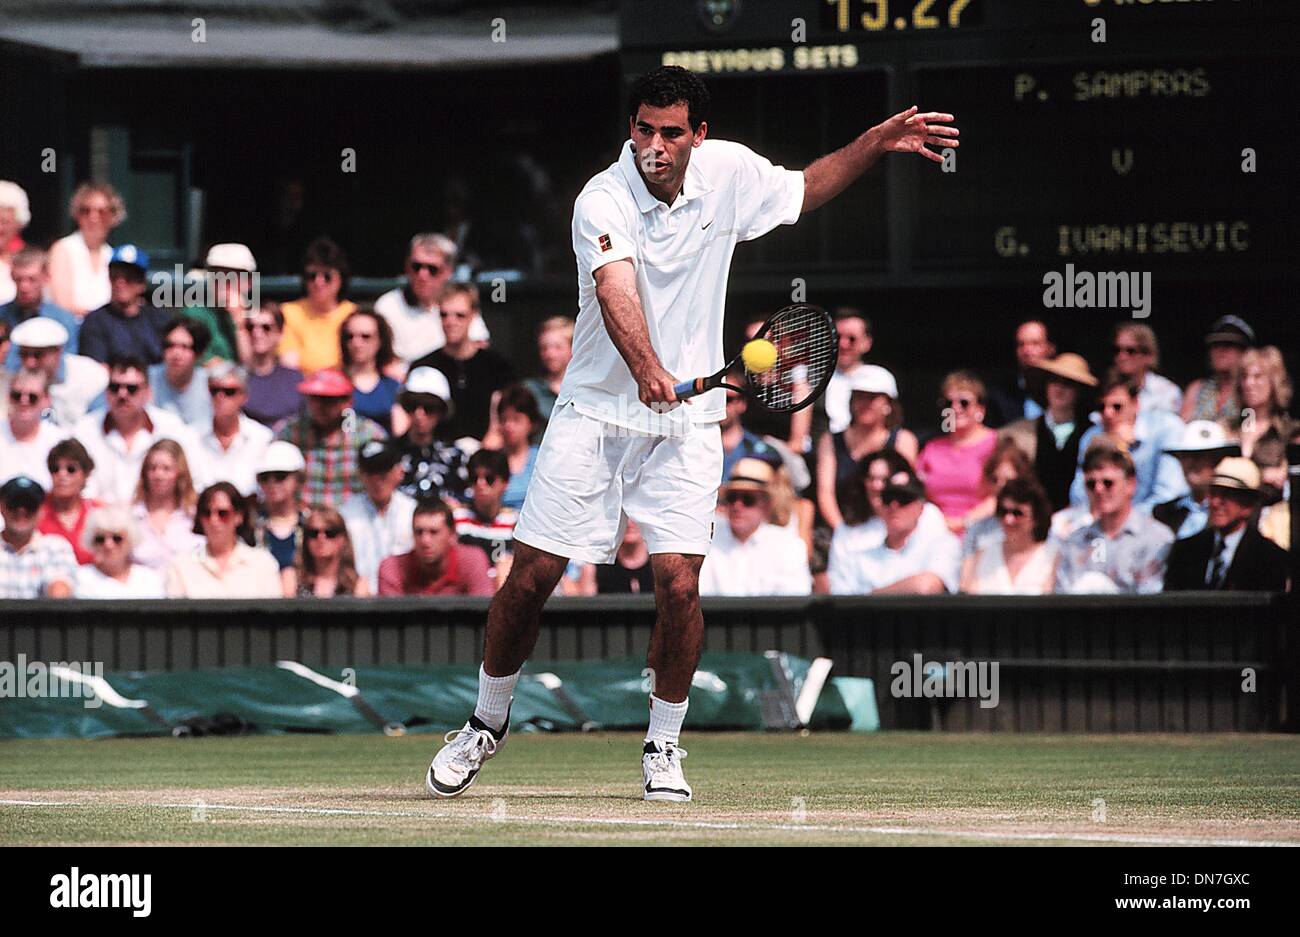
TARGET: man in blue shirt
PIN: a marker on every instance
(30, 269)
(1145, 435)
(129, 325)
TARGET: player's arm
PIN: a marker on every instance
(908, 132)
(620, 306)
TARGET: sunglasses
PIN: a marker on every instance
(485, 479)
(1095, 484)
(18, 396)
(316, 533)
(183, 346)
(258, 327)
(310, 275)
(1009, 511)
(101, 539)
(66, 468)
(748, 499)
(272, 477)
(425, 406)
(1129, 350)
(118, 387)
(88, 210)
(900, 498)
(957, 403)
(431, 269)
(221, 514)
(224, 391)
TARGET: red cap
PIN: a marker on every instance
(327, 383)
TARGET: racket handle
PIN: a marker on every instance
(688, 389)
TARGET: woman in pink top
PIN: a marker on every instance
(952, 465)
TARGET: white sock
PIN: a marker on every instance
(494, 695)
(665, 720)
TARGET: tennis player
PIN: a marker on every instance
(653, 234)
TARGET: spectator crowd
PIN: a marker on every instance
(320, 448)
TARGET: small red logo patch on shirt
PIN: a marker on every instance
(605, 243)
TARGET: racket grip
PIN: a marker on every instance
(687, 389)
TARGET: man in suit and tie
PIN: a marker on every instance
(1231, 553)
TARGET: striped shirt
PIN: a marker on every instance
(494, 537)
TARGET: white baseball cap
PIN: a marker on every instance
(873, 379)
(1203, 436)
(39, 332)
(428, 381)
(281, 456)
(230, 257)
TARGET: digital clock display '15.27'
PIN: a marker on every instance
(877, 16)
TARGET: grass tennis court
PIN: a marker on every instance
(883, 789)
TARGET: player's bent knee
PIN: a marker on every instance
(534, 572)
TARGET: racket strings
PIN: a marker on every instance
(806, 352)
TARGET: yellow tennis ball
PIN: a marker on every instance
(759, 355)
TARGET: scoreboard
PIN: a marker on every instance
(1110, 134)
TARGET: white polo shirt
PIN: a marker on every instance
(773, 561)
(28, 458)
(236, 464)
(117, 465)
(925, 551)
(682, 254)
(375, 536)
(82, 381)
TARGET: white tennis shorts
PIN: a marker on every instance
(591, 476)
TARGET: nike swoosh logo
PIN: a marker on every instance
(711, 220)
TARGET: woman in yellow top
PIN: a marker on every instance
(311, 324)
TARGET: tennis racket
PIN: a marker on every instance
(807, 346)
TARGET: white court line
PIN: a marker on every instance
(1121, 838)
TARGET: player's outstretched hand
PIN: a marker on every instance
(913, 132)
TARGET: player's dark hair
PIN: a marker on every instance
(668, 85)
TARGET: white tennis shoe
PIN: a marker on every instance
(458, 762)
(661, 768)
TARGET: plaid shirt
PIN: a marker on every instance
(28, 573)
(1133, 560)
(333, 473)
